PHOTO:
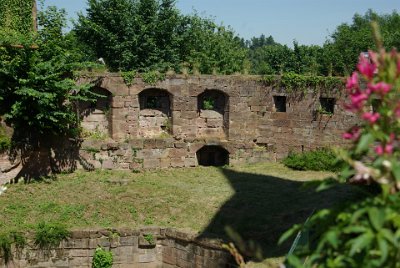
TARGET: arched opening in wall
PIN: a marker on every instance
(96, 115)
(213, 110)
(212, 155)
(155, 117)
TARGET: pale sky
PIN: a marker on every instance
(307, 21)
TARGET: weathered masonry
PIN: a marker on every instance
(164, 247)
(187, 121)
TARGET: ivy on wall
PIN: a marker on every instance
(296, 82)
(16, 15)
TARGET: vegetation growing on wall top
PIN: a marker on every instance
(297, 82)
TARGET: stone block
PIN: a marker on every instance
(177, 153)
(211, 114)
(108, 164)
(128, 241)
(117, 104)
(123, 254)
(160, 143)
(150, 144)
(169, 255)
(148, 255)
(189, 114)
(183, 264)
(190, 162)
(177, 162)
(78, 252)
(136, 165)
(151, 163)
(169, 143)
(81, 243)
(165, 162)
(136, 143)
(180, 145)
(79, 261)
(215, 123)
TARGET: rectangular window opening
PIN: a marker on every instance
(280, 103)
(327, 105)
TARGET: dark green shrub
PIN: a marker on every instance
(49, 235)
(102, 258)
(318, 160)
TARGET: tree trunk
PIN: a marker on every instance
(34, 16)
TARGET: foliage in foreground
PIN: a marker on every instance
(318, 160)
(38, 91)
(366, 233)
(102, 258)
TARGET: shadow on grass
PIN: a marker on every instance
(264, 207)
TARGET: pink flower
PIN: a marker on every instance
(353, 134)
(379, 150)
(357, 101)
(352, 81)
(347, 136)
(366, 67)
(371, 117)
(389, 148)
(381, 88)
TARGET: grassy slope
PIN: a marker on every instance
(259, 201)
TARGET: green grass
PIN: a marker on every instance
(258, 201)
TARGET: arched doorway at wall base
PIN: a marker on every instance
(212, 155)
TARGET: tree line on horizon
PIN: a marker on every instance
(145, 35)
(152, 34)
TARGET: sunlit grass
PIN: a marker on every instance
(260, 201)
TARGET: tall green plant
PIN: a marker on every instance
(364, 233)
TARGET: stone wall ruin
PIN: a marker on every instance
(167, 248)
(166, 124)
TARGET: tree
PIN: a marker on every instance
(37, 87)
(210, 48)
(272, 59)
(261, 41)
(109, 28)
(152, 34)
(349, 40)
